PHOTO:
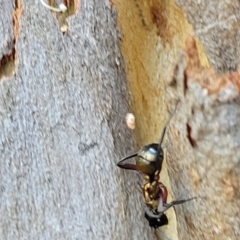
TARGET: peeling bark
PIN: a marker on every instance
(62, 117)
(62, 129)
(209, 104)
(208, 115)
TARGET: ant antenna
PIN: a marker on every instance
(164, 131)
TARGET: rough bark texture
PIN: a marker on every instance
(62, 129)
(206, 172)
(62, 117)
(204, 156)
(216, 23)
(205, 136)
(152, 34)
(6, 29)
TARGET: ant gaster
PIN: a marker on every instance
(149, 162)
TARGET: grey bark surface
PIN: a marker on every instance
(216, 23)
(209, 166)
(62, 130)
(203, 156)
(6, 30)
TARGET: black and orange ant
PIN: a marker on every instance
(149, 162)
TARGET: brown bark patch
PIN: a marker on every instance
(209, 115)
(160, 15)
(227, 85)
(8, 61)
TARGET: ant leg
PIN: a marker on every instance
(177, 202)
(163, 205)
(128, 166)
(162, 198)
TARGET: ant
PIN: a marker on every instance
(149, 162)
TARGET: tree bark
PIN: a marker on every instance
(63, 101)
(203, 156)
(216, 23)
(203, 141)
(62, 126)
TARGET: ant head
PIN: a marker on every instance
(149, 159)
